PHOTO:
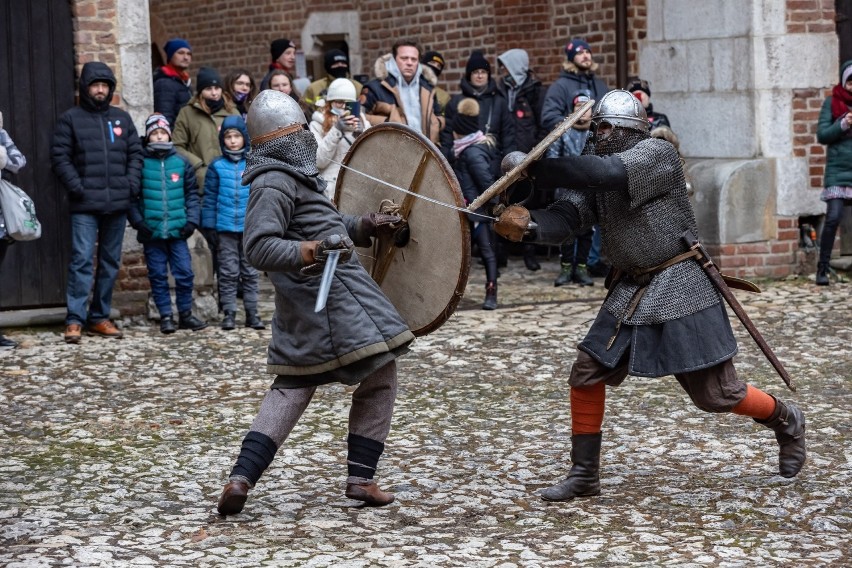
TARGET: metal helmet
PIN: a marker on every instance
(620, 108)
(341, 90)
(273, 114)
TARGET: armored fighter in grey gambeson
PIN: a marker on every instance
(663, 316)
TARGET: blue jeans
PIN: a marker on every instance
(595, 249)
(91, 233)
(160, 255)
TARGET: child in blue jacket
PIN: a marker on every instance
(165, 214)
(224, 210)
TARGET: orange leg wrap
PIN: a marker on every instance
(756, 404)
(587, 408)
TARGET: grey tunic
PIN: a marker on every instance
(358, 331)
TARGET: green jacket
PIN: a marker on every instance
(196, 136)
(838, 155)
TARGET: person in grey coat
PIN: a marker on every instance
(290, 230)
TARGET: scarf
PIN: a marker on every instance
(462, 144)
(841, 101)
(174, 72)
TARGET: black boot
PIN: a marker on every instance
(564, 275)
(529, 258)
(788, 422)
(188, 321)
(167, 324)
(229, 321)
(581, 276)
(490, 296)
(584, 477)
(822, 274)
(253, 320)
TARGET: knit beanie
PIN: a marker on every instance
(434, 60)
(335, 56)
(476, 61)
(156, 121)
(173, 45)
(574, 46)
(207, 77)
(466, 120)
(846, 72)
(636, 84)
(279, 46)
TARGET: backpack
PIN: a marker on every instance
(19, 213)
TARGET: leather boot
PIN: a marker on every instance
(253, 320)
(490, 296)
(581, 276)
(584, 477)
(564, 275)
(529, 258)
(233, 497)
(369, 493)
(229, 321)
(822, 274)
(188, 321)
(788, 423)
(167, 324)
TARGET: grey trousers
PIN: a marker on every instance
(234, 267)
(370, 414)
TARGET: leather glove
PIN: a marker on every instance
(187, 230)
(513, 223)
(212, 238)
(334, 242)
(373, 224)
(344, 124)
(143, 233)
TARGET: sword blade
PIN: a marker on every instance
(325, 283)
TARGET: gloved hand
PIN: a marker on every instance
(143, 233)
(374, 223)
(322, 249)
(513, 223)
(212, 238)
(187, 230)
(347, 123)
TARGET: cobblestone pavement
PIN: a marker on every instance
(114, 452)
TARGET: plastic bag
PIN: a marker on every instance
(19, 213)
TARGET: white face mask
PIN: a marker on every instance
(338, 111)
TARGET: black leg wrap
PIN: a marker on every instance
(256, 454)
(363, 456)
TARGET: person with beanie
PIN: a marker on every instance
(640, 89)
(476, 164)
(834, 129)
(336, 64)
(224, 211)
(97, 156)
(172, 85)
(196, 135)
(283, 53)
(335, 126)
(165, 214)
(577, 75)
(433, 62)
(402, 92)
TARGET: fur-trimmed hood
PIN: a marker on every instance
(569, 67)
(380, 70)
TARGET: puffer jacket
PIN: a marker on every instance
(283, 211)
(225, 196)
(196, 136)
(171, 93)
(494, 117)
(476, 169)
(169, 197)
(559, 99)
(96, 152)
(526, 113)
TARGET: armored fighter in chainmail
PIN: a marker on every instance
(663, 316)
(293, 231)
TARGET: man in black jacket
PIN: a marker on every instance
(578, 75)
(97, 156)
(171, 81)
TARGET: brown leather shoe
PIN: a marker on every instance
(233, 498)
(105, 329)
(369, 494)
(73, 332)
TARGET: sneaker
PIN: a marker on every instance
(73, 332)
(6, 343)
(103, 328)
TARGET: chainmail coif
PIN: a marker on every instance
(298, 151)
(619, 140)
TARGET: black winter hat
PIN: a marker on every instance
(207, 77)
(434, 60)
(335, 56)
(636, 84)
(466, 120)
(279, 46)
(476, 61)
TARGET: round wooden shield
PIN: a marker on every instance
(426, 277)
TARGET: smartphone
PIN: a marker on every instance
(353, 108)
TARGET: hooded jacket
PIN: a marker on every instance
(196, 136)
(382, 101)
(560, 96)
(494, 117)
(96, 152)
(225, 196)
(525, 99)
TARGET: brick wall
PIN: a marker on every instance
(772, 259)
(95, 30)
